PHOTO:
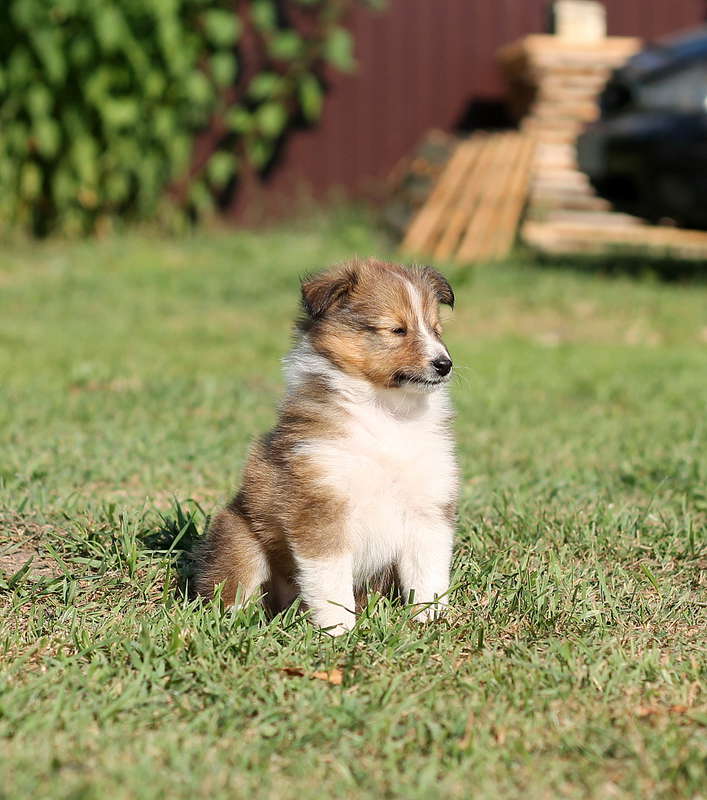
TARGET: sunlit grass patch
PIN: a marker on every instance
(572, 663)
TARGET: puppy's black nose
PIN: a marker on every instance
(442, 365)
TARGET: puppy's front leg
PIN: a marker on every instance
(326, 585)
(424, 565)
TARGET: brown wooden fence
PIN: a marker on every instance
(422, 64)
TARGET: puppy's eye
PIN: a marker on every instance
(399, 331)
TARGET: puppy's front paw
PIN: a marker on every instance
(337, 630)
(336, 624)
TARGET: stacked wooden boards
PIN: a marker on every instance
(554, 86)
(473, 211)
(599, 237)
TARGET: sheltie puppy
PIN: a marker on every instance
(358, 480)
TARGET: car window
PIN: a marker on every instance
(684, 90)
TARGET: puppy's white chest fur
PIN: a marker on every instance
(397, 461)
(395, 466)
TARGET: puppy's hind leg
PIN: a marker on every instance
(233, 556)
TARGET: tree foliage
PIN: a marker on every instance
(103, 102)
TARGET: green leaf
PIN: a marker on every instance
(223, 68)
(200, 197)
(272, 118)
(264, 14)
(265, 85)
(97, 85)
(260, 151)
(221, 168)
(63, 186)
(74, 122)
(154, 83)
(109, 26)
(120, 113)
(48, 136)
(49, 47)
(179, 149)
(84, 156)
(16, 579)
(82, 50)
(25, 15)
(39, 100)
(311, 97)
(338, 49)
(19, 68)
(18, 137)
(117, 187)
(164, 123)
(198, 89)
(286, 45)
(239, 120)
(222, 27)
(651, 577)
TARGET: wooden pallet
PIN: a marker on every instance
(628, 235)
(472, 213)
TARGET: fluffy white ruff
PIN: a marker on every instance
(395, 466)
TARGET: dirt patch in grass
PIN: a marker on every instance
(22, 543)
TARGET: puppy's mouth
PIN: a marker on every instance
(409, 378)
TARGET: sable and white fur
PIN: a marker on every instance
(357, 483)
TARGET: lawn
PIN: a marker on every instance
(573, 664)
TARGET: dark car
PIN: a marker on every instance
(647, 153)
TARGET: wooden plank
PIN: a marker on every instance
(516, 197)
(467, 201)
(425, 227)
(596, 218)
(475, 241)
(573, 237)
(493, 229)
(511, 200)
(610, 46)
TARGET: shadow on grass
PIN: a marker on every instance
(632, 264)
(176, 537)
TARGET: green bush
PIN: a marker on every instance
(101, 100)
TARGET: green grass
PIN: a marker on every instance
(134, 372)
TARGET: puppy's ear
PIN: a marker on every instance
(320, 292)
(440, 286)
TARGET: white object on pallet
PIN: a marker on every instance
(579, 20)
